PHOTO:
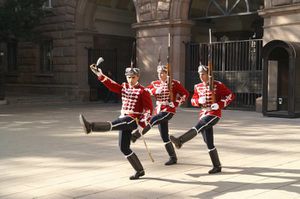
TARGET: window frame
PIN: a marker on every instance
(12, 56)
(46, 56)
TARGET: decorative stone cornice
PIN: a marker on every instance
(165, 23)
(85, 32)
(280, 10)
(149, 10)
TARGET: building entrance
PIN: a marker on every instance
(280, 82)
(278, 76)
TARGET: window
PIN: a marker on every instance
(46, 58)
(48, 4)
(12, 56)
(227, 8)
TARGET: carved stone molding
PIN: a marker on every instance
(281, 2)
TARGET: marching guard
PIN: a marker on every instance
(209, 115)
(136, 110)
(165, 108)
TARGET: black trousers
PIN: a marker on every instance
(162, 120)
(124, 125)
(205, 126)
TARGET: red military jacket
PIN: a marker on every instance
(163, 98)
(136, 101)
(223, 96)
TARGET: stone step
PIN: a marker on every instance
(36, 99)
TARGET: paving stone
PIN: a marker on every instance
(44, 154)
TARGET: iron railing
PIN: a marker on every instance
(238, 64)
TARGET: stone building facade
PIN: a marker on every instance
(58, 63)
(281, 20)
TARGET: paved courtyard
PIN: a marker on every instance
(44, 154)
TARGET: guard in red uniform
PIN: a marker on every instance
(165, 108)
(136, 110)
(209, 115)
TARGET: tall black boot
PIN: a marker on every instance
(136, 164)
(101, 126)
(178, 142)
(170, 149)
(215, 161)
(85, 124)
(94, 126)
(136, 134)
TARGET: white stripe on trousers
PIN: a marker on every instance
(160, 119)
(206, 124)
(118, 124)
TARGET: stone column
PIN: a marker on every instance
(85, 31)
(151, 36)
(84, 40)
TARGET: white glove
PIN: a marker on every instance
(158, 90)
(202, 100)
(96, 70)
(171, 104)
(214, 106)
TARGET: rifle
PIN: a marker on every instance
(169, 70)
(133, 54)
(210, 69)
(159, 59)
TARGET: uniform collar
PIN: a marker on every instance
(205, 83)
(164, 82)
(134, 86)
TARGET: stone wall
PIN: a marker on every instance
(109, 21)
(274, 3)
(74, 24)
(155, 20)
(281, 22)
(149, 40)
(148, 10)
(59, 26)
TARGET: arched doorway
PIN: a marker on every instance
(104, 29)
(278, 75)
(280, 87)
